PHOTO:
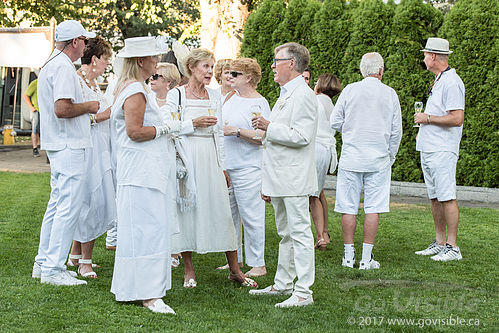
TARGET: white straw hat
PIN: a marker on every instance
(143, 47)
(437, 45)
(69, 29)
(181, 52)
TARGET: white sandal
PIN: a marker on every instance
(91, 274)
(77, 257)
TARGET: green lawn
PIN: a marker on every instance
(435, 295)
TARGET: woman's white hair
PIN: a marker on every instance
(371, 63)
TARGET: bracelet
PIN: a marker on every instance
(428, 120)
(238, 132)
(93, 119)
(161, 130)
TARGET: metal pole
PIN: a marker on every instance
(15, 98)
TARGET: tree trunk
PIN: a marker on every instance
(222, 23)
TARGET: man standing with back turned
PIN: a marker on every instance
(289, 176)
(438, 143)
(65, 130)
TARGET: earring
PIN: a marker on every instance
(93, 69)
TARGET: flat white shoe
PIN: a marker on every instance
(295, 301)
(160, 307)
(36, 273)
(190, 284)
(270, 292)
(62, 278)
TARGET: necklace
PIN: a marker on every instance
(84, 75)
(198, 97)
(161, 99)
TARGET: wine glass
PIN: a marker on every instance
(256, 111)
(212, 108)
(418, 107)
(175, 115)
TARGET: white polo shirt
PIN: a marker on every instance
(58, 80)
(447, 95)
(368, 116)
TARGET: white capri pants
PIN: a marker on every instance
(376, 191)
(248, 207)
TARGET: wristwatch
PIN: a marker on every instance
(238, 132)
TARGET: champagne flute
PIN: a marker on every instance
(256, 111)
(418, 107)
(212, 108)
(175, 115)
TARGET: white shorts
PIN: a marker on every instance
(439, 171)
(376, 191)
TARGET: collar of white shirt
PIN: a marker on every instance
(290, 85)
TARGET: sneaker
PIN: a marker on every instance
(62, 278)
(432, 249)
(36, 153)
(347, 262)
(36, 273)
(448, 253)
(371, 264)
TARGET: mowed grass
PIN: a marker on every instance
(406, 287)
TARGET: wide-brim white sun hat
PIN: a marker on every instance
(143, 47)
(437, 45)
(71, 29)
(181, 52)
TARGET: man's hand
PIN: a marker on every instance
(265, 198)
(227, 179)
(420, 118)
(93, 106)
(260, 123)
(204, 121)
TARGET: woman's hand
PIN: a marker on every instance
(265, 198)
(204, 121)
(230, 130)
(104, 115)
(227, 179)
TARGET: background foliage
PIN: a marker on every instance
(340, 33)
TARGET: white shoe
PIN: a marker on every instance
(295, 301)
(432, 249)
(448, 253)
(62, 278)
(36, 273)
(347, 262)
(371, 264)
(269, 291)
(160, 307)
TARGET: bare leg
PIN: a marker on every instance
(86, 252)
(451, 213)
(188, 266)
(325, 233)
(317, 215)
(348, 224)
(437, 210)
(75, 250)
(235, 270)
(371, 223)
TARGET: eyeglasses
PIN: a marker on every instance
(84, 39)
(156, 76)
(279, 59)
(235, 74)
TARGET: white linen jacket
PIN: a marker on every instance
(289, 145)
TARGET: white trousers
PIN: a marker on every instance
(296, 248)
(67, 171)
(248, 207)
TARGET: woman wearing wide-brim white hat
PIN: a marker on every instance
(144, 170)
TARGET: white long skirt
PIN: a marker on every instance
(208, 227)
(142, 268)
(322, 161)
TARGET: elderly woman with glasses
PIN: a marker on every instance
(327, 87)
(222, 75)
(206, 223)
(99, 207)
(243, 150)
(166, 78)
(145, 172)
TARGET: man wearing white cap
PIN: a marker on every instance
(65, 129)
(438, 143)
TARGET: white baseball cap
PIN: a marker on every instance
(70, 29)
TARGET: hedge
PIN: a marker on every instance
(338, 33)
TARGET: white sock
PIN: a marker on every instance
(349, 251)
(367, 250)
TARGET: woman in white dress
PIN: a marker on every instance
(99, 208)
(327, 86)
(145, 167)
(222, 75)
(243, 161)
(207, 225)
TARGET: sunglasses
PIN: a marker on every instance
(84, 39)
(235, 74)
(156, 76)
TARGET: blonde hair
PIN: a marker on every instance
(169, 73)
(248, 66)
(130, 71)
(220, 67)
(196, 56)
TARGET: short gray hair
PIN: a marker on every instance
(298, 52)
(371, 63)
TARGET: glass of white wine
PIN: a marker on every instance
(418, 107)
(175, 115)
(212, 108)
(256, 111)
